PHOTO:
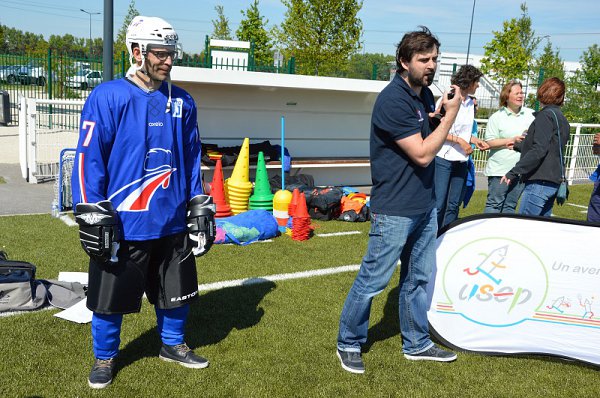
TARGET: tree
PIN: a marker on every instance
(511, 52)
(120, 44)
(360, 66)
(321, 34)
(252, 29)
(590, 66)
(2, 40)
(552, 66)
(221, 25)
(68, 44)
(582, 102)
(19, 42)
(551, 62)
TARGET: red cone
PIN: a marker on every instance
(218, 192)
(293, 203)
(301, 228)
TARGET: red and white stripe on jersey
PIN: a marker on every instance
(82, 179)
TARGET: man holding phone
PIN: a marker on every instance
(404, 217)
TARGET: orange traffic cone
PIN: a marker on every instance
(293, 203)
(301, 228)
(218, 192)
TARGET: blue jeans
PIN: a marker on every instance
(593, 214)
(450, 179)
(502, 198)
(412, 240)
(538, 198)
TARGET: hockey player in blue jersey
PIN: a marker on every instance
(138, 199)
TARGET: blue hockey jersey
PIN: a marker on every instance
(144, 160)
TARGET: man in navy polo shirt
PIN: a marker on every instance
(404, 219)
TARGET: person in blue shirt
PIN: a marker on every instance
(593, 213)
(139, 200)
(404, 217)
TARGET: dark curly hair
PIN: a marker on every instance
(465, 76)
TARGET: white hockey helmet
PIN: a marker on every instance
(152, 31)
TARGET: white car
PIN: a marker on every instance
(85, 79)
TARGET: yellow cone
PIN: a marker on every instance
(241, 170)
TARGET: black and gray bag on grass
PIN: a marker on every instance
(18, 288)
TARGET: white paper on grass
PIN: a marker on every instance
(518, 285)
(81, 277)
(76, 313)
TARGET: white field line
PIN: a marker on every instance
(246, 282)
(10, 313)
(574, 205)
(67, 220)
(338, 234)
(278, 277)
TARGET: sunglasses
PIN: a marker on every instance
(163, 55)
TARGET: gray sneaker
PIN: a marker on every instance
(432, 354)
(183, 355)
(351, 361)
(102, 373)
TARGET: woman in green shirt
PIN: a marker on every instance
(505, 127)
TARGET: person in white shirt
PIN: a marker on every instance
(451, 160)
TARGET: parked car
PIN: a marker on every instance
(29, 74)
(85, 79)
(10, 73)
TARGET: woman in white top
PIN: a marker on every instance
(451, 160)
(505, 128)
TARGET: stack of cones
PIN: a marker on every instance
(281, 202)
(239, 185)
(262, 199)
(293, 203)
(217, 192)
(301, 229)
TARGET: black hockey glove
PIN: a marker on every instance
(201, 223)
(98, 230)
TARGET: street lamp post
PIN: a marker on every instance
(90, 14)
(470, 32)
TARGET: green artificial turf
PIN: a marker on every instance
(272, 339)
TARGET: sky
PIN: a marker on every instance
(571, 26)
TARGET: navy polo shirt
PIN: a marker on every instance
(400, 187)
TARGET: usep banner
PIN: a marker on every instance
(515, 284)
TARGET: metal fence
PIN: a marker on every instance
(46, 128)
(57, 76)
(579, 159)
(52, 125)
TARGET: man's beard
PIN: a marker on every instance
(152, 74)
(425, 81)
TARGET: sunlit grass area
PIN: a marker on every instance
(271, 339)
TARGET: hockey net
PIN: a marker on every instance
(63, 198)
